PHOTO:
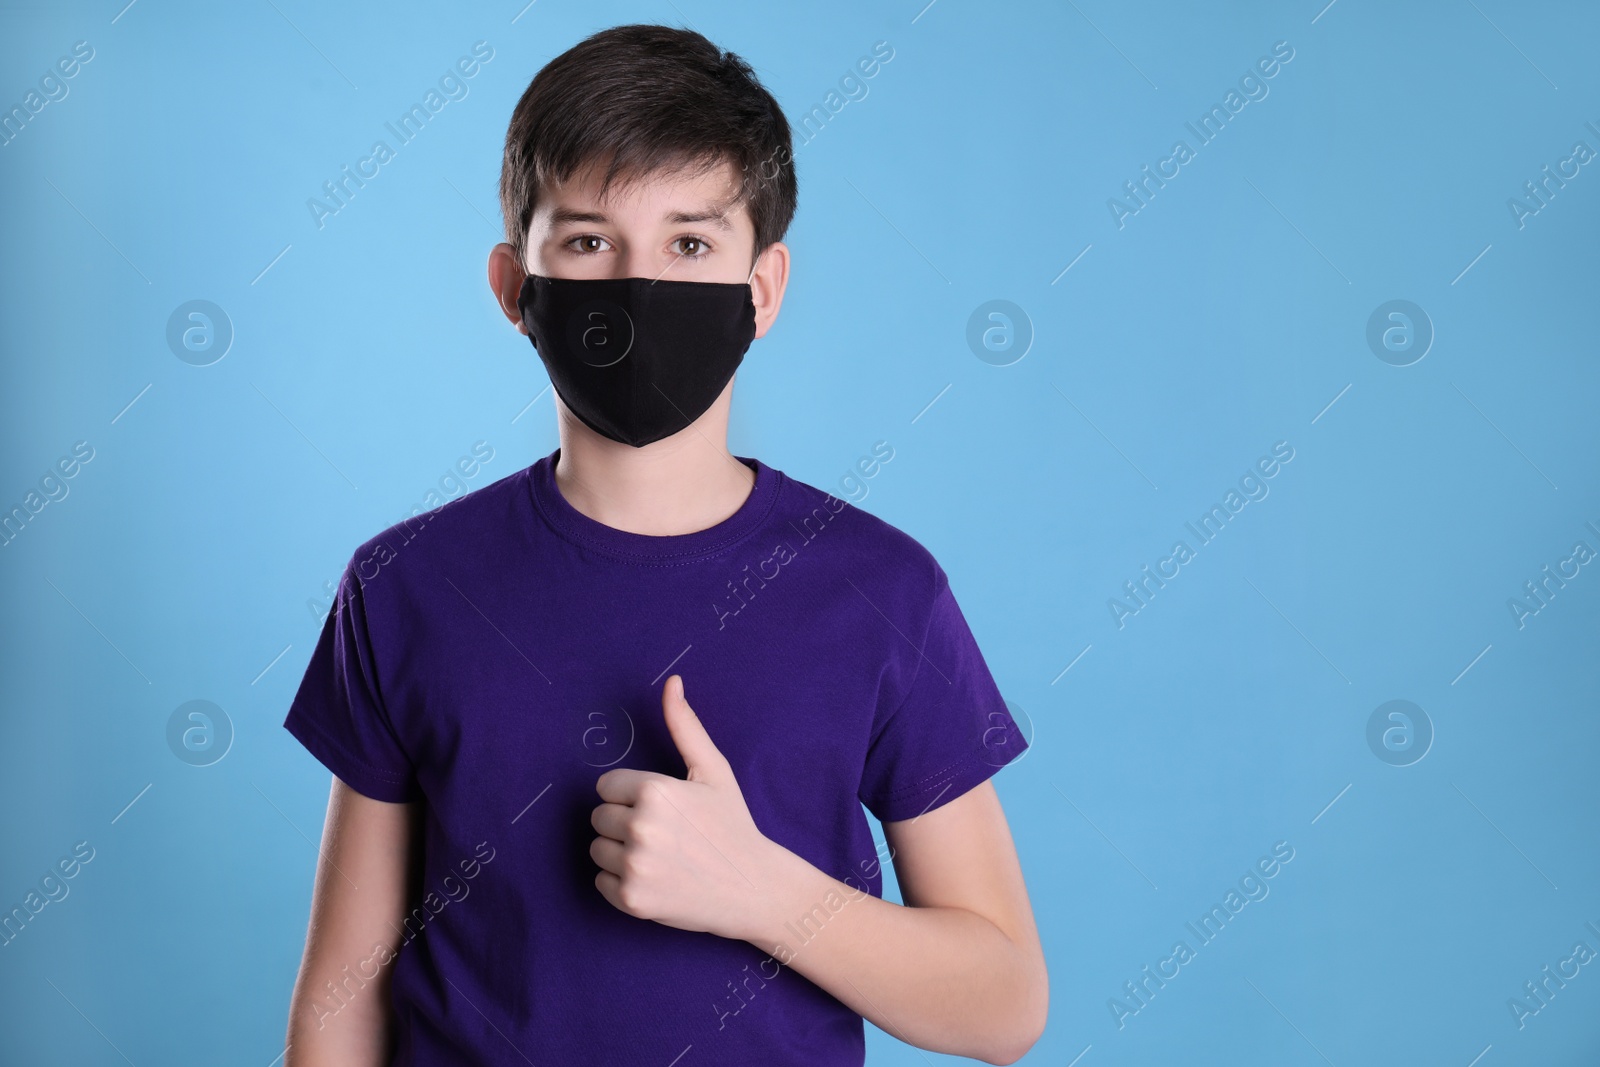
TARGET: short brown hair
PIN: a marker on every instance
(648, 98)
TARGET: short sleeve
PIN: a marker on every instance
(951, 732)
(338, 714)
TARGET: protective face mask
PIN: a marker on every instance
(638, 360)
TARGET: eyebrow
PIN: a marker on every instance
(562, 215)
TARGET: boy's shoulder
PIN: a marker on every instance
(479, 520)
(868, 539)
(489, 523)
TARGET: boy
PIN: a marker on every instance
(532, 853)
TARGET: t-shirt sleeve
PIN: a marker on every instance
(951, 732)
(338, 714)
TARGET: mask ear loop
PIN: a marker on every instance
(753, 267)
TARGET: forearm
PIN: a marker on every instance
(943, 979)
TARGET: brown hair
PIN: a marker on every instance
(649, 98)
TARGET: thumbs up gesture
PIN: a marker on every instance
(685, 852)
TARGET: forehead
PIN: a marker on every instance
(675, 195)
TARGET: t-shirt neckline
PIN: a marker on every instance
(579, 528)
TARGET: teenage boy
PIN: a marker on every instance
(602, 731)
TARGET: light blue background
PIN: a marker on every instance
(1227, 315)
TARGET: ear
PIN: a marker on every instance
(767, 285)
(505, 281)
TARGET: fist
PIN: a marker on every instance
(683, 852)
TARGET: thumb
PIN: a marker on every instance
(705, 762)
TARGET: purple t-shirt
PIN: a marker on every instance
(493, 657)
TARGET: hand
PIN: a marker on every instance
(685, 852)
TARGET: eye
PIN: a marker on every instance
(701, 247)
(585, 238)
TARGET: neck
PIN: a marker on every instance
(678, 485)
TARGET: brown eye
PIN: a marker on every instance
(577, 244)
(697, 251)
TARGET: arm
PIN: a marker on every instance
(959, 968)
(339, 1011)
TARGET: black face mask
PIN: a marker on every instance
(638, 360)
